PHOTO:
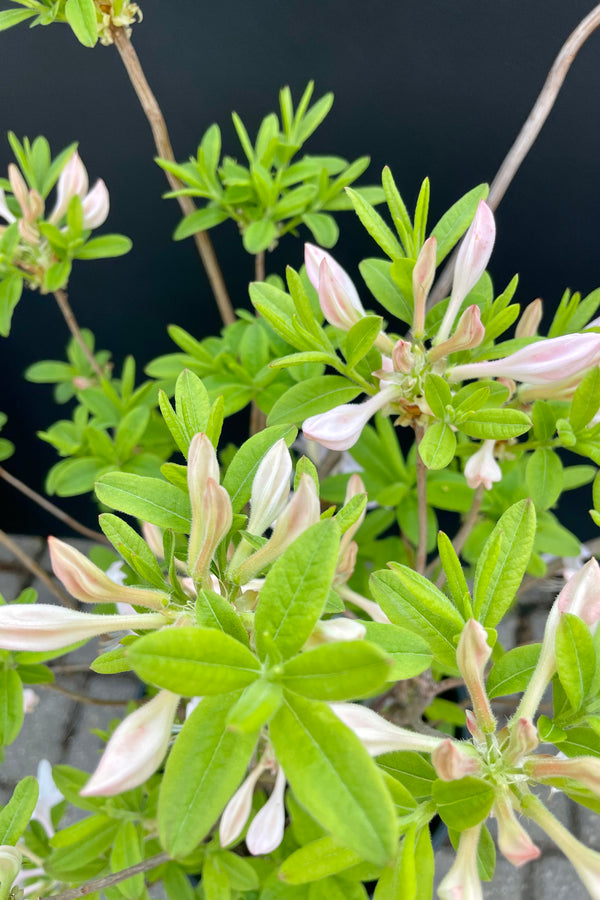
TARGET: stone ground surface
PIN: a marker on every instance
(59, 730)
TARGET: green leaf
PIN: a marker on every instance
(400, 882)
(11, 706)
(105, 247)
(203, 770)
(345, 670)
(242, 468)
(15, 816)
(323, 227)
(127, 851)
(317, 860)
(411, 601)
(586, 400)
(192, 403)
(361, 338)
(200, 220)
(295, 591)
(375, 225)
(215, 611)
(148, 499)
(412, 770)
(193, 661)
(310, 397)
(455, 576)
(575, 658)
(438, 395)
(257, 705)
(512, 673)
(398, 211)
(421, 213)
(10, 17)
(499, 424)
(132, 548)
(496, 581)
(464, 803)
(11, 289)
(544, 477)
(81, 16)
(378, 278)
(334, 778)
(409, 652)
(437, 446)
(259, 236)
(456, 220)
(75, 476)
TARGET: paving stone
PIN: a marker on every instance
(561, 807)
(555, 879)
(588, 827)
(507, 883)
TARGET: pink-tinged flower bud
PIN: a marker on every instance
(347, 557)
(586, 862)
(4, 210)
(402, 357)
(523, 740)
(529, 322)
(270, 488)
(472, 654)
(19, 188)
(217, 515)
(451, 761)
(543, 362)
(473, 257)
(371, 608)
(49, 795)
(334, 630)
(10, 866)
(41, 626)
(88, 583)
(341, 427)
(135, 749)
(313, 257)
(266, 831)
(462, 881)
(73, 182)
(469, 333)
(584, 769)
(96, 206)
(482, 468)
(236, 813)
(202, 465)
(380, 736)
(336, 305)
(152, 534)
(514, 842)
(473, 727)
(30, 700)
(422, 279)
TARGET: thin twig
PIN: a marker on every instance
(528, 133)
(83, 698)
(69, 317)
(421, 504)
(52, 509)
(162, 141)
(36, 570)
(259, 266)
(463, 532)
(258, 419)
(98, 884)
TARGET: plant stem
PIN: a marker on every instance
(462, 534)
(528, 133)
(98, 884)
(69, 317)
(52, 509)
(83, 698)
(421, 504)
(36, 570)
(259, 266)
(162, 142)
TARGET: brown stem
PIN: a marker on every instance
(98, 884)
(259, 266)
(52, 509)
(464, 531)
(162, 141)
(83, 698)
(421, 504)
(36, 570)
(69, 317)
(528, 133)
(258, 420)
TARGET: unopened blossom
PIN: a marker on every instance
(543, 362)
(313, 258)
(403, 359)
(529, 322)
(354, 488)
(422, 279)
(341, 427)
(96, 206)
(48, 797)
(473, 256)
(86, 582)
(42, 626)
(216, 515)
(334, 630)
(469, 333)
(10, 866)
(380, 736)
(451, 761)
(136, 748)
(523, 740)
(237, 812)
(202, 467)
(266, 829)
(513, 841)
(336, 305)
(74, 182)
(270, 488)
(462, 881)
(372, 609)
(472, 654)
(5, 212)
(584, 769)
(482, 468)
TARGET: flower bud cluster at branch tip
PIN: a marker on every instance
(212, 513)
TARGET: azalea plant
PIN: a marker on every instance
(293, 611)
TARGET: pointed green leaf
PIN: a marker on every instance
(361, 338)
(464, 803)
(455, 222)
(310, 397)
(11, 706)
(345, 670)
(148, 499)
(575, 658)
(378, 278)
(375, 225)
(81, 16)
(544, 477)
(512, 673)
(242, 468)
(437, 446)
(15, 816)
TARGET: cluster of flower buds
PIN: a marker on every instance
(116, 14)
(266, 829)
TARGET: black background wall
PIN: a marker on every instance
(430, 88)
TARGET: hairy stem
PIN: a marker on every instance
(52, 509)
(162, 142)
(528, 133)
(421, 504)
(36, 570)
(98, 884)
(69, 317)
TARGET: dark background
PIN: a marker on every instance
(430, 88)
